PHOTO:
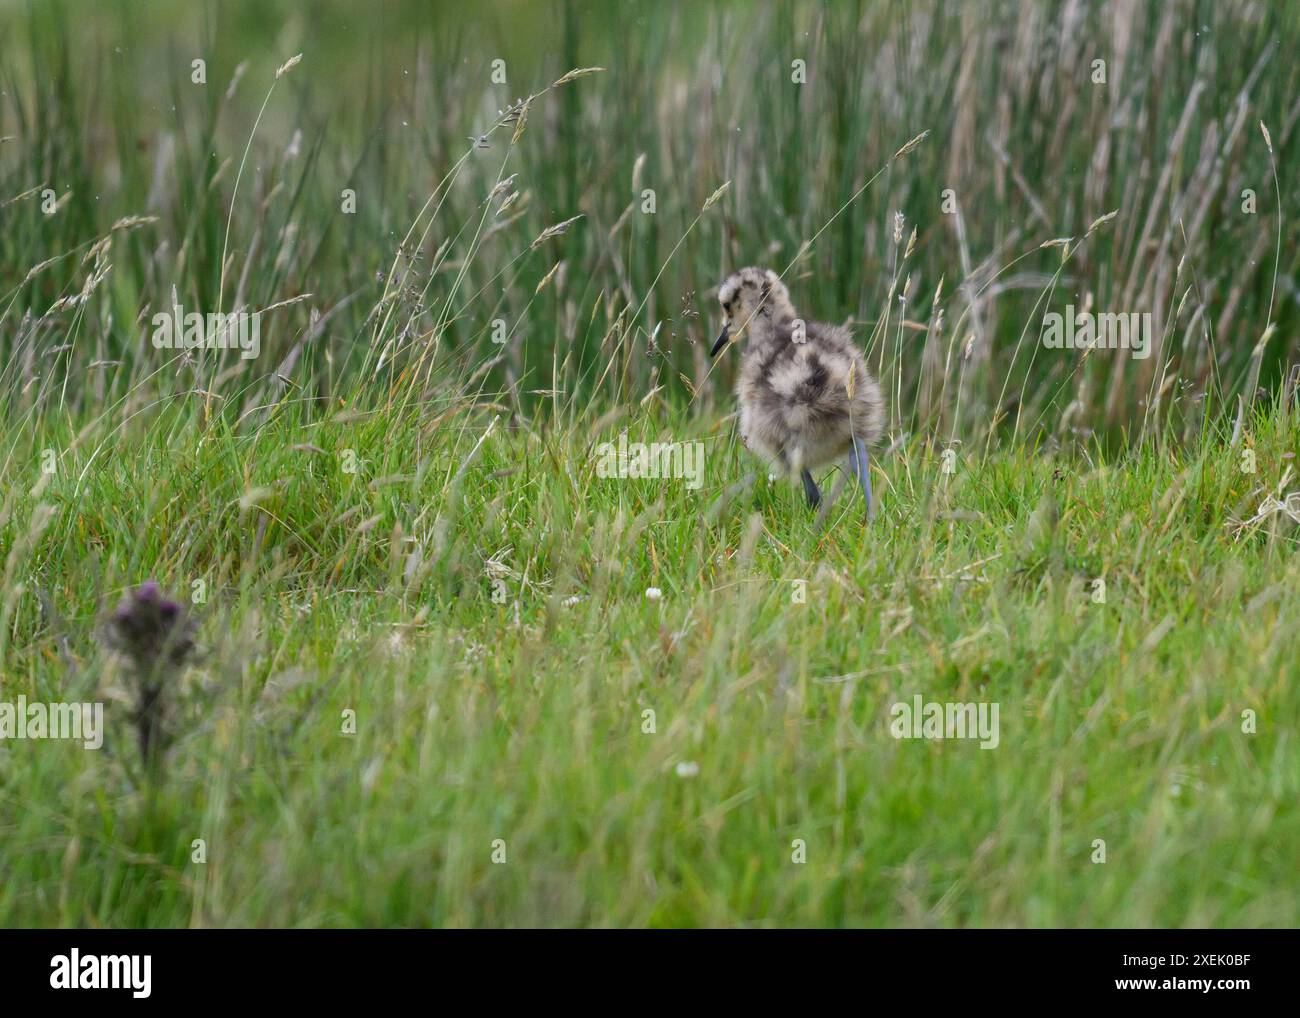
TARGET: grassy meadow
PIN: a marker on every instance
(448, 674)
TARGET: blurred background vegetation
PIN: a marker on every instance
(97, 103)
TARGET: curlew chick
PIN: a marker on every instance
(806, 400)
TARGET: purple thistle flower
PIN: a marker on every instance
(151, 630)
(155, 635)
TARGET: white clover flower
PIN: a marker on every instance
(653, 594)
(688, 769)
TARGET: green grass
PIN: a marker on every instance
(523, 720)
(476, 593)
(102, 110)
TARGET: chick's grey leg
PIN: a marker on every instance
(810, 489)
(860, 470)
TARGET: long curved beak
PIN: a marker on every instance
(723, 336)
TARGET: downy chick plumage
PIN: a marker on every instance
(806, 398)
